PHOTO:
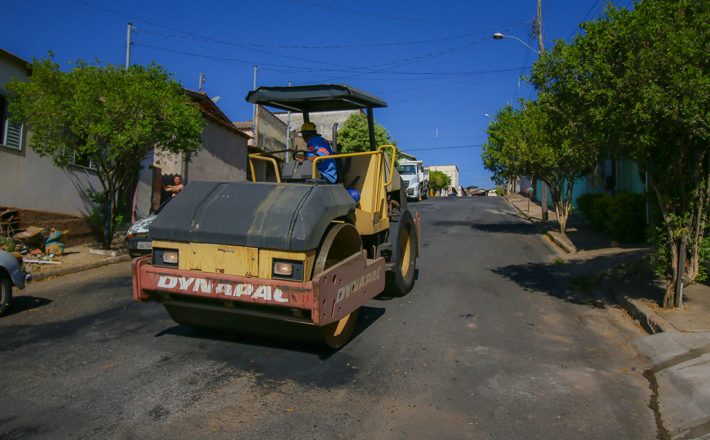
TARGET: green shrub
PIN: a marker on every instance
(622, 216)
(626, 218)
(600, 211)
(585, 203)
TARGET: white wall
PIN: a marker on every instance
(28, 181)
(223, 157)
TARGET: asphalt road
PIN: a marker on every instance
(489, 345)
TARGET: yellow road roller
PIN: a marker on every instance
(295, 254)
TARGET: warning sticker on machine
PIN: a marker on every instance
(208, 287)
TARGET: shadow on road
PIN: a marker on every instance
(575, 281)
(494, 228)
(277, 359)
(507, 228)
(23, 303)
(279, 335)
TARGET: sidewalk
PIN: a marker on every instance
(75, 259)
(679, 341)
(626, 274)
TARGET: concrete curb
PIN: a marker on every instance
(69, 270)
(560, 242)
(649, 320)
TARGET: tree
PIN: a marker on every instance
(354, 135)
(107, 115)
(500, 153)
(641, 85)
(540, 139)
(439, 180)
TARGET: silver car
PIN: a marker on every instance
(11, 275)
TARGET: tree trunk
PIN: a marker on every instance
(670, 294)
(697, 233)
(562, 201)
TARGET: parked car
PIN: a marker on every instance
(137, 241)
(492, 193)
(475, 191)
(11, 275)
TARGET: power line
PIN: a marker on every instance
(458, 147)
(388, 17)
(594, 5)
(443, 91)
(306, 46)
(398, 63)
(296, 69)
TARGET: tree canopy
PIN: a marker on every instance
(439, 180)
(354, 135)
(540, 139)
(637, 83)
(106, 115)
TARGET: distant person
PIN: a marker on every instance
(316, 145)
(176, 187)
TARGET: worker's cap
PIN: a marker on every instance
(308, 127)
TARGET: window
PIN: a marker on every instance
(407, 169)
(79, 159)
(10, 132)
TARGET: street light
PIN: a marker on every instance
(499, 36)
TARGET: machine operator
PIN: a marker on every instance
(316, 145)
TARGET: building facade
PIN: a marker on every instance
(33, 188)
(223, 158)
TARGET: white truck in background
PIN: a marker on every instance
(415, 177)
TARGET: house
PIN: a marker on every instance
(327, 123)
(33, 191)
(612, 176)
(223, 158)
(270, 136)
(279, 130)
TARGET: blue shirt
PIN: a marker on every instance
(317, 146)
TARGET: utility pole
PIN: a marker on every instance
(541, 50)
(201, 82)
(253, 118)
(288, 130)
(128, 45)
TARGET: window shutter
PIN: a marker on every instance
(13, 135)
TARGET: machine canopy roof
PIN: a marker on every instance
(314, 98)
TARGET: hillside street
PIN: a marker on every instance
(485, 346)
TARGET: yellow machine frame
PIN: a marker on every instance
(371, 213)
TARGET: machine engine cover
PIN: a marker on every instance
(265, 215)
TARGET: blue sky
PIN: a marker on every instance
(435, 63)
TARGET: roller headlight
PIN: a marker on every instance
(283, 269)
(170, 257)
(287, 269)
(166, 257)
